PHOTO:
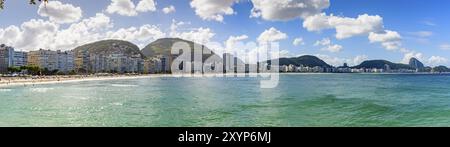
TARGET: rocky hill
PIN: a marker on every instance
(107, 47)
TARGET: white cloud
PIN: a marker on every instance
(142, 35)
(328, 46)
(35, 34)
(444, 46)
(122, 7)
(390, 40)
(146, 6)
(169, 9)
(358, 59)
(332, 60)
(298, 41)
(88, 30)
(345, 27)
(213, 9)
(128, 8)
(336, 61)
(10, 35)
(59, 12)
(437, 60)
(271, 35)
(412, 54)
(234, 42)
(198, 35)
(323, 42)
(175, 25)
(287, 9)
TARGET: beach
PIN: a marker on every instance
(34, 80)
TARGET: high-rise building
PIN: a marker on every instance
(82, 59)
(20, 59)
(6, 57)
(65, 61)
(45, 59)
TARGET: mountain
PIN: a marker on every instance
(381, 64)
(107, 47)
(440, 69)
(414, 63)
(164, 45)
(307, 60)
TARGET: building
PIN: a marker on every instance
(82, 59)
(20, 59)
(6, 58)
(44, 59)
(65, 61)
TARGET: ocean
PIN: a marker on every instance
(299, 100)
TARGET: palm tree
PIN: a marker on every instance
(33, 2)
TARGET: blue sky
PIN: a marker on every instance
(419, 27)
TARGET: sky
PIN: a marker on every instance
(337, 31)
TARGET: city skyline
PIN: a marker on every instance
(326, 29)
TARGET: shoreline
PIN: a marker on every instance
(72, 79)
(27, 81)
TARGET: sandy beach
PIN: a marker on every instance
(27, 81)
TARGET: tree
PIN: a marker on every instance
(33, 2)
(33, 70)
(14, 69)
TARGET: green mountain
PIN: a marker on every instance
(307, 60)
(107, 47)
(163, 46)
(381, 64)
(440, 69)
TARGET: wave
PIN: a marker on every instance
(41, 90)
(123, 85)
(5, 90)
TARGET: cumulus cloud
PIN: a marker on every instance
(345, 27)
(142, 35)
(10, 35)
(146, 6)
(122, 7)
(412, 54)
(336, 61)
(199, 35)
(213, 9)
(437, 60)
(358, 59)
(76, 34)
(232, 42)
(271, 35)
(35, 34)
(298, 41)
(59, 12)
(128, 8)
(328, 46)
(169, 9)
(390, 40)
(287, 9)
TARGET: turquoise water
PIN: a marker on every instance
(299, 100)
